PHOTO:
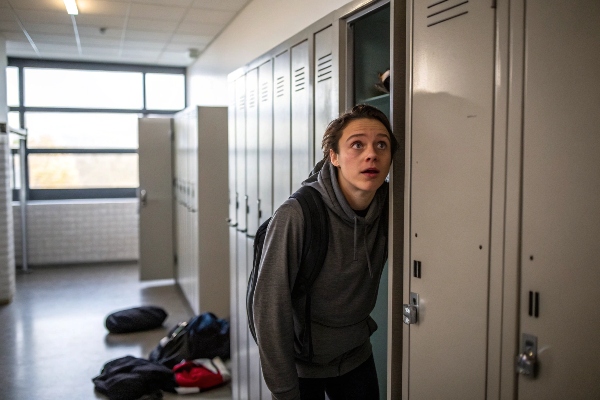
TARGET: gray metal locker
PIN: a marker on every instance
(232, 222)
(265, 141)
(242, 229)
(282, 162)
(559, 271)
(302, 152)
(326, 95)
(450, 182)
(265, 162)
(252, 211)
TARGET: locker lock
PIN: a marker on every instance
(527, 359)
(410, 310)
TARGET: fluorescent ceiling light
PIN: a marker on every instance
(71, 7)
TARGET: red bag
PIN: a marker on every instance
(201, 373)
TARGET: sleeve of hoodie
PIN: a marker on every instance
(273, 316)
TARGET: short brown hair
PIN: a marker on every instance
(334, 130)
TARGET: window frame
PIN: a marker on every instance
(96, 193)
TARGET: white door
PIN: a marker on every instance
(560, 251)
(450, 178)
(156, 199)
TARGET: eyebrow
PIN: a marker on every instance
(364, 134)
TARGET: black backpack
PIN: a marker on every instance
(314, 250)
(203, 336)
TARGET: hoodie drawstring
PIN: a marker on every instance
(364, 243)
(355, 237)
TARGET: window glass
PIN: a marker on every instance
(83, 171)
(13, 119)
(51, 130)
(46, 87)
(15, 182)
(165, 91)
(12, 86)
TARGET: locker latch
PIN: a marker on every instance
(527, 359)
(410, 310)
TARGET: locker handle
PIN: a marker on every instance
(242, 230)
(143, 197)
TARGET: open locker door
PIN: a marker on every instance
(156, 198)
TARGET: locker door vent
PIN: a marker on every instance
(445, 10)
(242, 102)
(280, 86)
(264, 92)
(324, 68)
(299, 79)
(252, 99)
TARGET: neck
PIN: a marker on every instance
(357, 199)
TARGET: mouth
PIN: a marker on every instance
(370, 172)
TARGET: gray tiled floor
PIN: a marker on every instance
(52, 336)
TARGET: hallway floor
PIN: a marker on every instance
(53, 340)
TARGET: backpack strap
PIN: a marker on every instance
(314, 251)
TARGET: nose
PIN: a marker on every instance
(371, 153)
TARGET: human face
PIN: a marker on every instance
(363, 160)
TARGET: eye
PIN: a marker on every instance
(356, 145)
(382, 145)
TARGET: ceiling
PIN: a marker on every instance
(155, 32)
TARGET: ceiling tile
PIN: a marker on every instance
(157, 12)
(230, 5)
(58, 47)
(169, 3)
(200, 29)
(43, 17)
(151, 25)
(147, 35)
(87, 42)
(50, 29)
(202, 15)
(16, 36)
(38, 39)
(141, 45)
(183, 47)
(100, 7)
(99, 21)
(94, 31)
(44, 5)
(189, 39)
(9, 25)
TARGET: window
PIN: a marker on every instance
(12, 86)
(50, 130)
(165, 91)
(83, 89)
(82, 124)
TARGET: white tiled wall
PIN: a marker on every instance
(7, 265)
(79, 231)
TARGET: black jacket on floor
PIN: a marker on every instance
(129, 378)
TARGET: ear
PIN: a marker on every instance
(333, 157)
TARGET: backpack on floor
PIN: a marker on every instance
(203, 336)
(314, 250)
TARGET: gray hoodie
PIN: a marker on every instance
(343, 295)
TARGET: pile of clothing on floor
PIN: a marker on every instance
(188, 360)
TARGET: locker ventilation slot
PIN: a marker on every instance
(242, 102)
(324, 68)
(264, 92)
(280, 86)
(417, 269)
(534, 304)
(299, 79)
(252, 99)
(445, 10)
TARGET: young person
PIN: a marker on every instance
(351, 180)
